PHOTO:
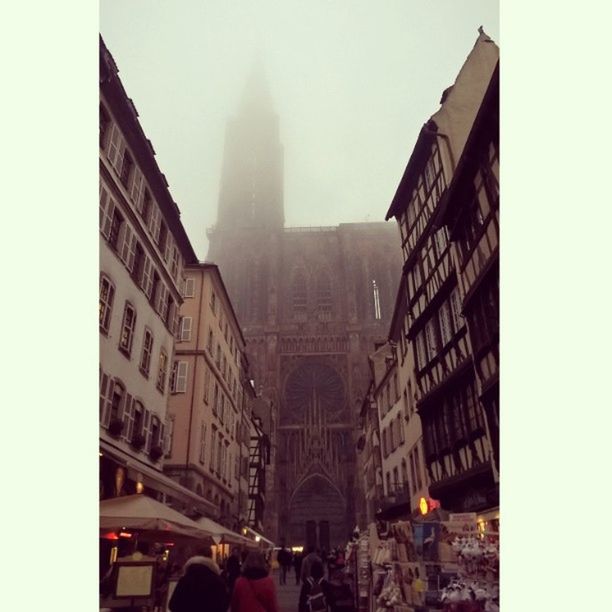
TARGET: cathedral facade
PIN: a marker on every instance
(312, 303)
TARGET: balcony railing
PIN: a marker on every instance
(398, 494)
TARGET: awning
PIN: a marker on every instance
(258, 537)
(221, 533)
(156, 479)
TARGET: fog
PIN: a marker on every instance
(352, 83)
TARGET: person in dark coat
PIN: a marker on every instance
(297, 565)
(315, 575)
(309, 559)
(284, 560)
(201, 588)
(233, 568)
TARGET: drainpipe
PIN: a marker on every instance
(197, 346)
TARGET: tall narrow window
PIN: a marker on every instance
(405, 474)
(213, 302)
(209, 342)
(300, 298)
(116, 402)
(180, 377)
(163, 239)
(107, 294)
(103, 125)
(376, 295)
(137, 188)
(147, 348)
(203, 443)
(412, 471)
(324, 296)
(213, 440)
(186, 328)
(127, 329)
(169, 437)
(206, 383)
(189, 287)
(215, 398)
(162, 370)
(127, 163)
(116, 223)
(147, 204)
(417, 466)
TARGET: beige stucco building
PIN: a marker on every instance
(210, 410)
(143, 251)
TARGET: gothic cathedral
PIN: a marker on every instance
(312, 302)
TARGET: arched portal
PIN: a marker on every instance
(317, 514)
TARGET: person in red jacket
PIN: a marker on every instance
(255, 590)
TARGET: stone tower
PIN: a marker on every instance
(312, 303)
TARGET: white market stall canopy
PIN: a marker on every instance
(223, 534)
(142, 513)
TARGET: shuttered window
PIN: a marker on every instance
(147, 277)
(186, 328)
(128, 418)
(147, 348)
(107, 295)
(189, 287)
(106, 385)
(114, 151)
(203, 443)
(180, 376)
(137, 188)
(127, 246)
(127, 329)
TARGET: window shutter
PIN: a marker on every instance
(162, 435)
(109, 209)
(146, 430)
(186, 328)
(131, 256)
(114, 146)
(136, 189)
(155, 221)
(181, 377)
(175, 322)
(189, 287)
(125, 240)
(105, 384)
(128, 417)
(168, 433)
(168, 248)
(147, 276)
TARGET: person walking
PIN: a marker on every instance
(201, 588)
(297, 565)
(284, 560)
(315, 590)
(254, 590)
(309, 559)
(232, 568)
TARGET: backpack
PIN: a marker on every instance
(316, 599)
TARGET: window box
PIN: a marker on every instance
(115, 427)
(138, 441)
(156, 452)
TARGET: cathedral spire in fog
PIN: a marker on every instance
(256, 96)
(251, 193)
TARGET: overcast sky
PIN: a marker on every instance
(352, 81)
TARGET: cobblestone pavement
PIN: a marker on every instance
(288, 594)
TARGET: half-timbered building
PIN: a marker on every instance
(455, 437)
(471, 215)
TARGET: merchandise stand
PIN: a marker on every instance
(429, 565)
